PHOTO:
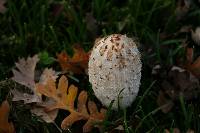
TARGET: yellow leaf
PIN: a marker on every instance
(63, 99)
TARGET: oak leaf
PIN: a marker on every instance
(48, 73)
(5, 126)
(39, 108)
(25, 75)
(78, 63)
(65, 97)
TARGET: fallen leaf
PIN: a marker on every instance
(192, 66)
(182, 9)
(182, 82)
(27, 98)
(76, 64)
(48, 73)
(175, 130)
(5, 126)
(190, 131)
(195, 67)
(2, 6)
(26, 73)
(179, 82)
(25, 76)
(120, 127)
(39, 110)
(189, 55)
(65, 97)
(164, 103)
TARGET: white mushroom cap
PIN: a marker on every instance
(196, 35)
(115, 70)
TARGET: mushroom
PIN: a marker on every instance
(115, 70)
(196, 36)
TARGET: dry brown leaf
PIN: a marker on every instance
(178, 82)
(191, 65)
(164, 103)
(25, 76)
(39, 110)
(48, 117)
(2, 6)
(65, 97)
(48, 73)
(175, 130)
(195, 67)
(76, 64)
(27, 98)
(182, 9)
(190, 131)
(26, 73)
(5, 126)
(189, 55)
(182, 82)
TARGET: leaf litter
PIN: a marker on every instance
(61, 97)
(25, 75)
(178, 82)
(65, 96)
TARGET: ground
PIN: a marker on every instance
(168, 98)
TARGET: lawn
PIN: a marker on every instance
(60, 34)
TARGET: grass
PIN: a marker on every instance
(48, 27)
